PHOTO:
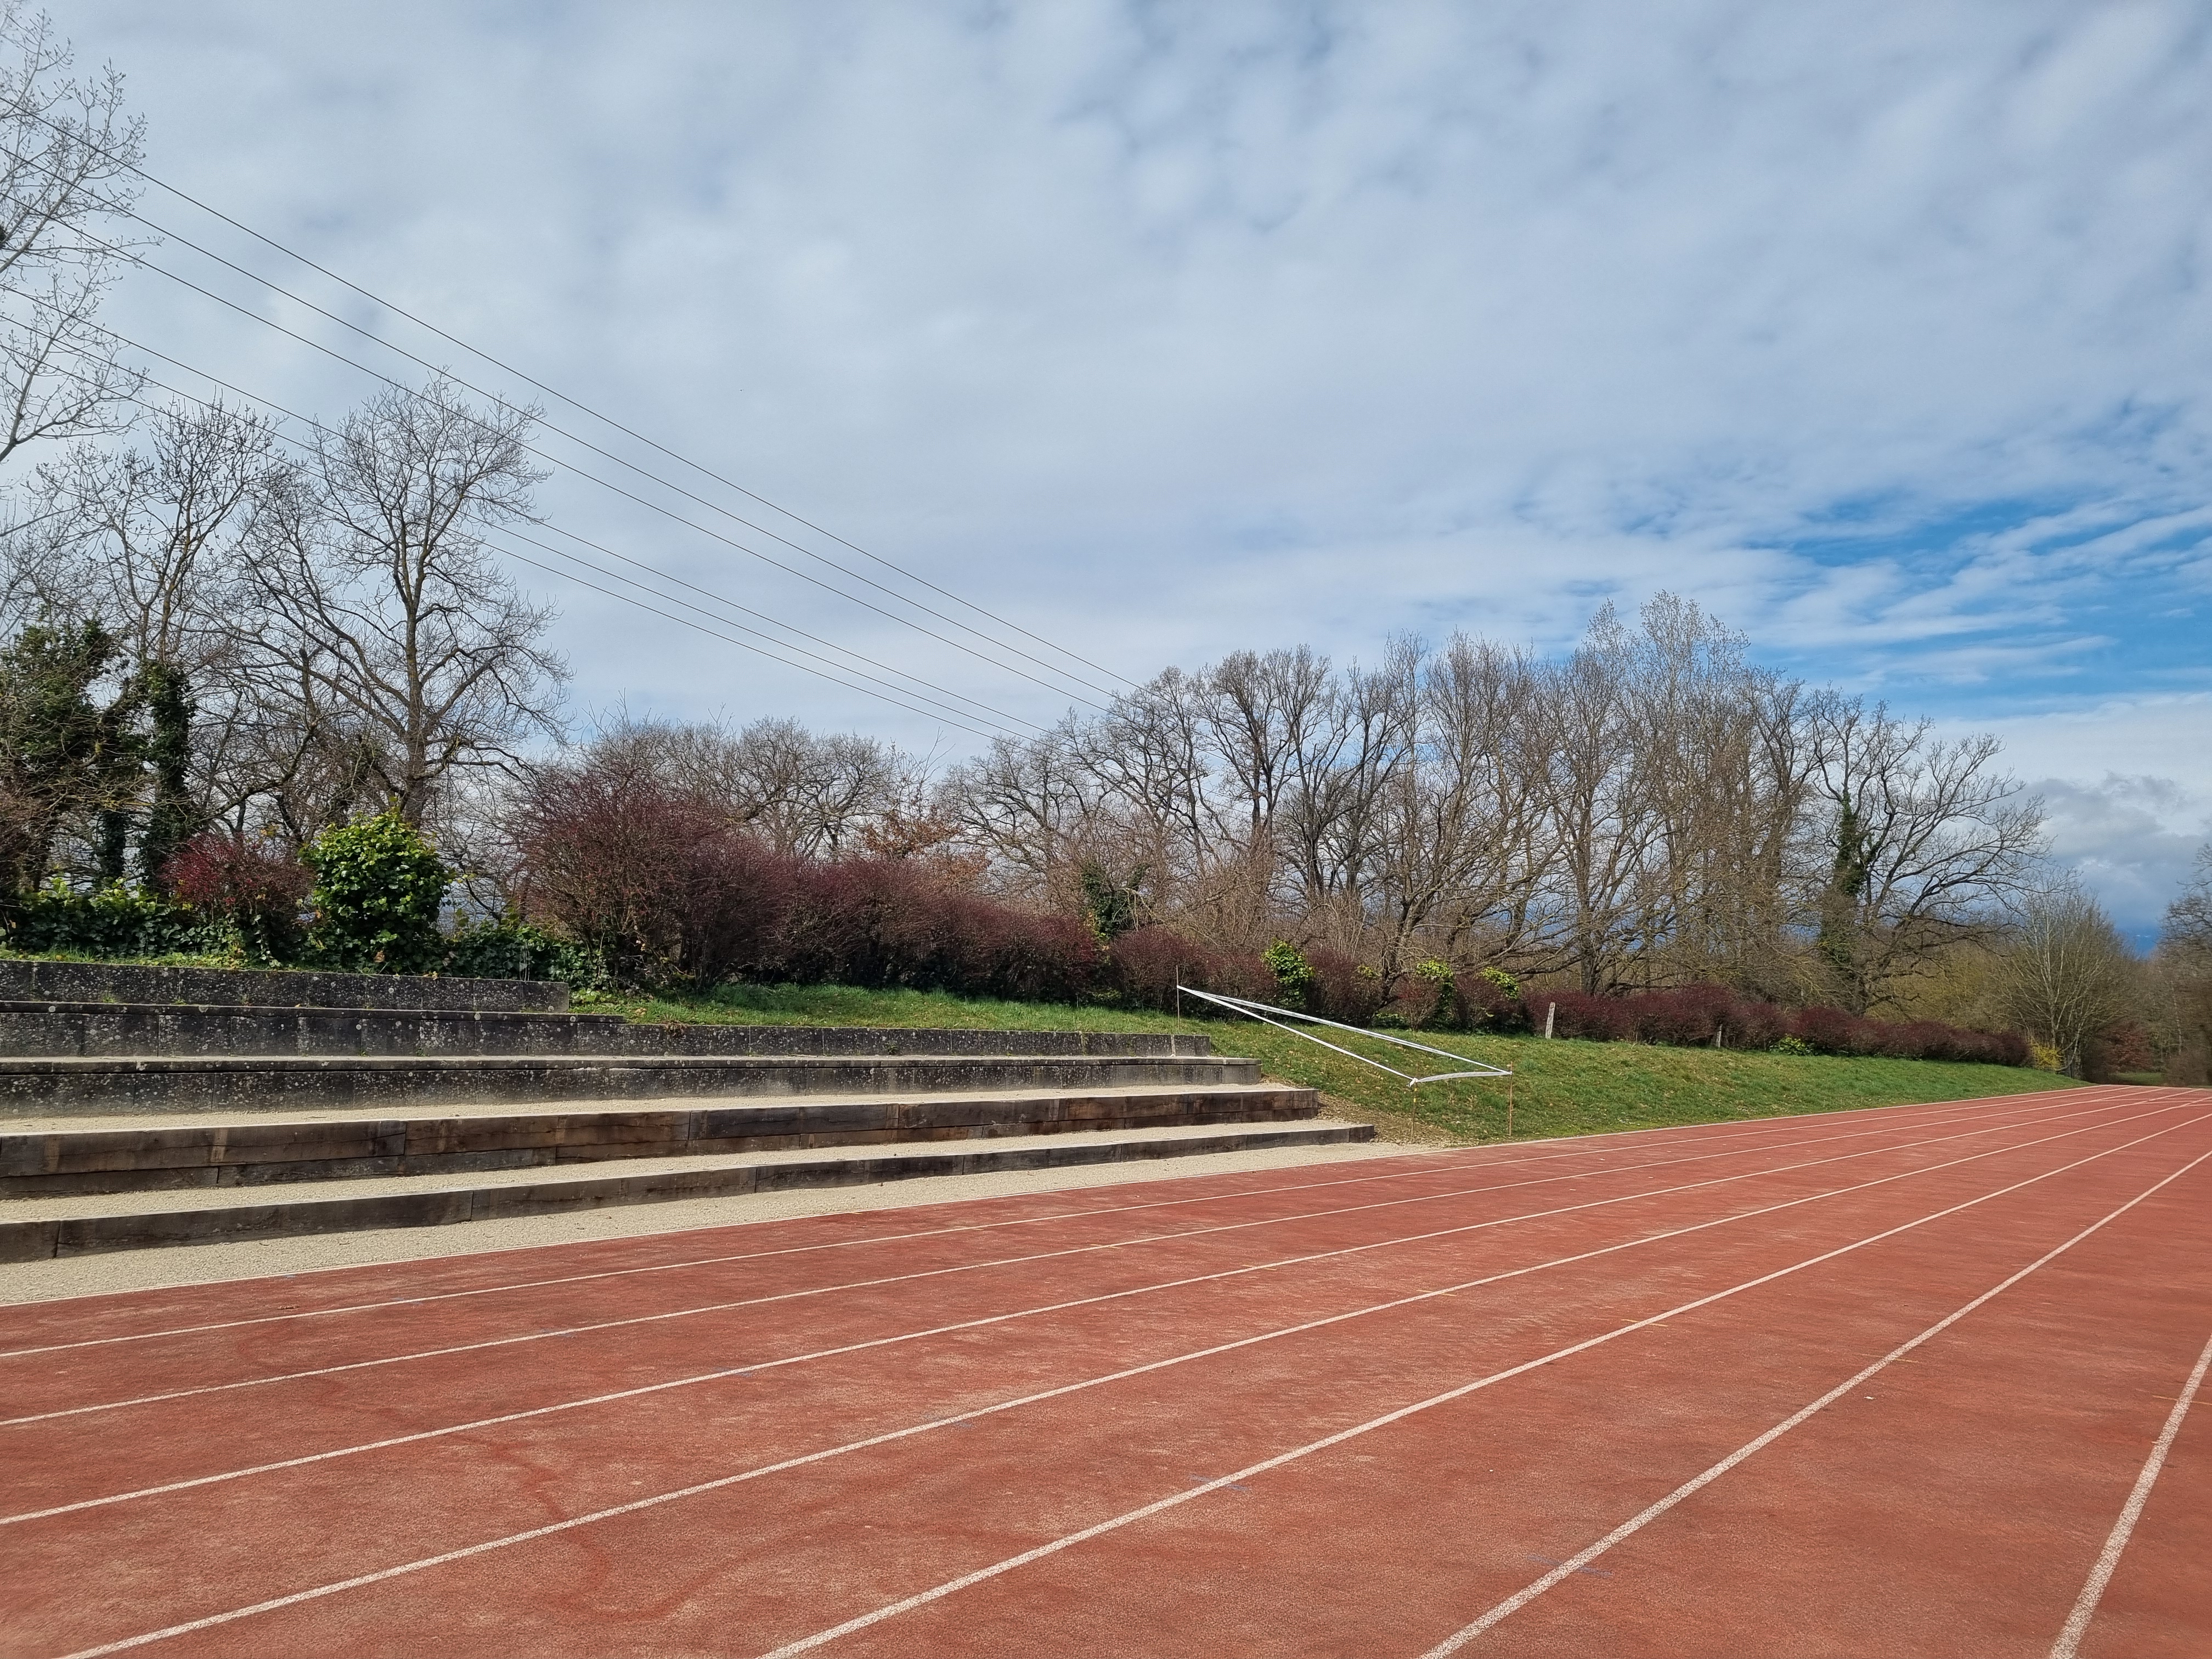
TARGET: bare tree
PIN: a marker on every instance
(153, 539)
(2182, 964)
(1455, 843)
(1726, 777)
(1653, 809)
(67, 152)
(804, 793)
(2065, 976)
(1596, 807)
(1926, 841)
(398, 640)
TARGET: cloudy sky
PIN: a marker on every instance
(1160, 330)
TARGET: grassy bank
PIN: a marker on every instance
(1558, 1088)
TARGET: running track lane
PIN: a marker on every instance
(1391, 1539)
(67, 1455)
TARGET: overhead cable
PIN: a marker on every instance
(576, 403)
(405, 390)
(897, 696)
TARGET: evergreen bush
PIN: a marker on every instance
(379, 887)
(1294, 974)
(112, 918)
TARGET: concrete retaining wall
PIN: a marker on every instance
(55, 1088)
(23, 981)
(99, 1030)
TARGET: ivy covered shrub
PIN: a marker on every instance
(1294, 974)
(1436, 1004)
(114, 919)
(379, 886)
(503, 948)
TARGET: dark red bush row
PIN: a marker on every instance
(731, 908)
(661, 887)
(1146, 966)
(1695, 1014)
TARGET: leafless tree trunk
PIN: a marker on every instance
(1457, 845)
(150, 542)
(2065, 976)
(399, 637)
(2184, 967)
(1926, 840)
(1596, 808)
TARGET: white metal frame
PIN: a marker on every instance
(1260, 1011)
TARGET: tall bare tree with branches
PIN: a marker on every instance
(396, 636)
(152, 539)
(67, 148)
(1923, 835)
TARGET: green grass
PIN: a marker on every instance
(1561, 1088)
(172, 959)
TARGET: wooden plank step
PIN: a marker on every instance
(39, 1230)
(58, 1156)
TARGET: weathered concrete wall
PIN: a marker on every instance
(95, 1030)
(107, 982)
(48, 1087)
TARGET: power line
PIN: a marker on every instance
(989, 709)
(631, 495)
(573, 403)
(608, 454)
(895, 695)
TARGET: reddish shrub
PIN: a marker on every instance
(1149, 962)
(1692, 1015)
(621, 863)
(735, 897)
(1829, 1031)
(2126, 1045)
(890, 922)
(1339, 990)
(250, 881)
(1755, 1026)
(1919, 1039)
(1594, 1019)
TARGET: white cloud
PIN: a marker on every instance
(1165, 330)
(2128, 787)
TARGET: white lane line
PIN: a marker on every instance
(1756, 1133)
(723, 1482)
(724, 1373)
(1513, 1604)
(1982, 1128)
(1252, 1470)
(2068, 1643)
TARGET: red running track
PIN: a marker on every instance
(1914, 1381)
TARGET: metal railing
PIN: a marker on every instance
(1260, 1011)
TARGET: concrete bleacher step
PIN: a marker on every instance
(153, 1106)
(107, 1030)
(40, 1229)
(44, 1087)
